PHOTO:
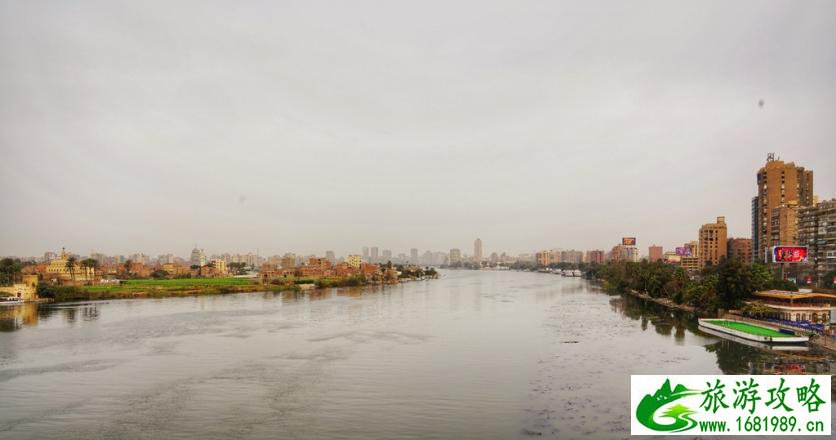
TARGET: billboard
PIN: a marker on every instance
(789, 254)
(684, 251)
(628, 241)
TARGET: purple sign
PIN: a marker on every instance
(683, 251)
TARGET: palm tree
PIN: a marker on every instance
(90, 263)
(70, 266)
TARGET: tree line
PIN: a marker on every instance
(725, 285)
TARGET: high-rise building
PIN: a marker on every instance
(783, 221)
(455, 256)
(387, 255)
(571, 256)
(817, 231)
(331, 257)
(544, 258)
(654, 253)
(477, 250)
(713, 241)
(595, 257)
(198, 258)
(413, 256)
(781, 188)
(375, 257)
(365, 253)
(740, 248)
(756, 221)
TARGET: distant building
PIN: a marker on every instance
(477, 251)
(220, 266)
(740, 248)
(595, 256)
(288, 261)
(544, 258)
(713, 242)
(331, 257)
(455, 256)
(375, 256)
(198, 258)
(387, 255)
(779, 185)
(413, 256)
(354, 261)
(60, 269)
(654, 253)
(690, 264)
(571, 256)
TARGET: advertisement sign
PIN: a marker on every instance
(628, 241)
(789, 254)
(684, 252)
(730, 405)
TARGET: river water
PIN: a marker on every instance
(474, 354)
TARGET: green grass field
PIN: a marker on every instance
(175, 284)
(749, 328)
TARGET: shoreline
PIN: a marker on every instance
(76, 294)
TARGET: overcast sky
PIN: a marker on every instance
(310, 126)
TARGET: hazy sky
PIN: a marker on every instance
(307, 126)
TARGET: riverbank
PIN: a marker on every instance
(169, 288)
(663, 301)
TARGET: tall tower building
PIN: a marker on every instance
(713, 242)
(477, 250)
(413, 256)
(782, 189)
(817, 231)
(375, 256)
(654, 253)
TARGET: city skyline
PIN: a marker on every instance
(517, 134)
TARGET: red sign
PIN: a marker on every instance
(628, 241)
(789, 254)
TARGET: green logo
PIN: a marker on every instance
(680, 414)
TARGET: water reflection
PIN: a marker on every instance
(733, 357)
(16, 317)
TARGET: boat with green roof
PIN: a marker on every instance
(753, 332)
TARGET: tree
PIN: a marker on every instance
(128, 264)
(9, 270)
(734, 282)
(70, 266)
(90, 263)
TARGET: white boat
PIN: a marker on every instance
(10, 301)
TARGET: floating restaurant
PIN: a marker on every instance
(812, 307)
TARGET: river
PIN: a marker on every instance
(474, 354)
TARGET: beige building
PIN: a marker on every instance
(354, 261)
(27, 290)
(220, 266)
(58, 269)
(544, 258)
(712, 242)
(740, 248)
(782, 188)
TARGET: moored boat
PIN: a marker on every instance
(10, 301)
(752, 332)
